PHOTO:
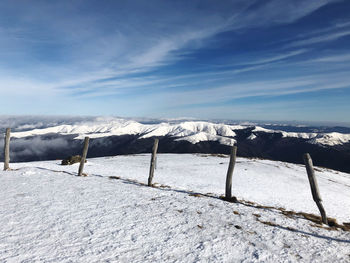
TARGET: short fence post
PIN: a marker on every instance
(153, 162)
(83, 157)
(7, 150)
(228, 192)
(314, 187)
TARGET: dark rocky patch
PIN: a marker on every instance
(71, 160)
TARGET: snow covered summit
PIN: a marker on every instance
(192, 131)
(119, 136)
(49, 214)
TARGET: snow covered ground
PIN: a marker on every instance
(48, 214)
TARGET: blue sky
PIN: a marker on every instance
(243, 59)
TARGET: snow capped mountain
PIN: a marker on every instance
(112, 136)
(302, 135)
(331, 139)
(191, 131)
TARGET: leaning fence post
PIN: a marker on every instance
(228, 192)
(83, 157)
(314, 187)
(7, 150)
(153, 162)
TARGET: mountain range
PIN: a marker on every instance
(110, 137)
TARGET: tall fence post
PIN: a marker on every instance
(7, 150)
(83, 157)
(314, 187)
(228, 192)
(153, 162)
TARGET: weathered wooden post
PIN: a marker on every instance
(228, 192)
(314, 187)
(7, 150)
(83, 157)
(153, 162)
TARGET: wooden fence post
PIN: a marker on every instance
(153, 162)
(228, 192)
(314, 187)
(7, 150)
(83, 157)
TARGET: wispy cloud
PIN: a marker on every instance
(130, 46)
(280, 87)
(332, 58)
(320, 39)
(275, 12)
(275, 58)
(85, 53)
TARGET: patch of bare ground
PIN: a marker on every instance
(164, 186)
(317, 221)
(195, 195)
(114, 177)
(214, 155)
(232, 199)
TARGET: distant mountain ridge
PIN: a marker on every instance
(120, 136)
(192, 131)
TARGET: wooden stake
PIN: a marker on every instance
(153, 162)
(7, 150)
(228, 193)
(83, 157)
(314, 187)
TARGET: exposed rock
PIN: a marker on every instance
(71, 160)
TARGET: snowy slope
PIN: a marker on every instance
(333, 138)
(48, 214)
(192, 131)
(330, 139)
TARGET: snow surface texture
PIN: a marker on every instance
(50, 215)
(192, 131)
